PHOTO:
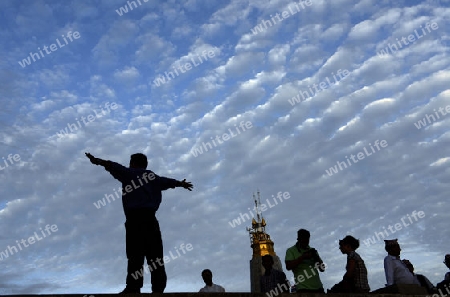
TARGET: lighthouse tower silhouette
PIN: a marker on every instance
(262, 245)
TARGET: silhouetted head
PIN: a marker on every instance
(207, 277)
(392, 247)
(267, 262)
(447, 260)
(303, 238)
(348, 244)
(138, 161)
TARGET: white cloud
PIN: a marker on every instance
(250, 79)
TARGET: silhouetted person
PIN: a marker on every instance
(445, 284)
(210, 287)
(141, 197)
(395, 270)
(273, 279)
(355, 277)
(304, 262)
(422, 279)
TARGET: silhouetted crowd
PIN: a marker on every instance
(305, 263)
(141, 198)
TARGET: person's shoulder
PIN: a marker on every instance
(115, 165)
(217, 288)
(150, 174)
(420, 275)
(354, 255)
(310, 248)
(291, 248)
(277, 271)
(292, 253)
(388, 261)
(116, 168)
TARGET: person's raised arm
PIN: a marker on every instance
(170, 183)
(97, 161)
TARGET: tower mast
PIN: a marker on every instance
(261, 245)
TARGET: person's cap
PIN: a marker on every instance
(447, 257)
(390, 242)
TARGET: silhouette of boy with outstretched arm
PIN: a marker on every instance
(141, 197)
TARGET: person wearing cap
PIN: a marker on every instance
(395, 270)
(305, 262)
(355, 278)
(445, 284)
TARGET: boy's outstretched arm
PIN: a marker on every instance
(186, 185)
(97, 161)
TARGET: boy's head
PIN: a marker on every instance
(267, 262)
(207, 276)
(138, 161)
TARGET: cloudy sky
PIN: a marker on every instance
(342, 104)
